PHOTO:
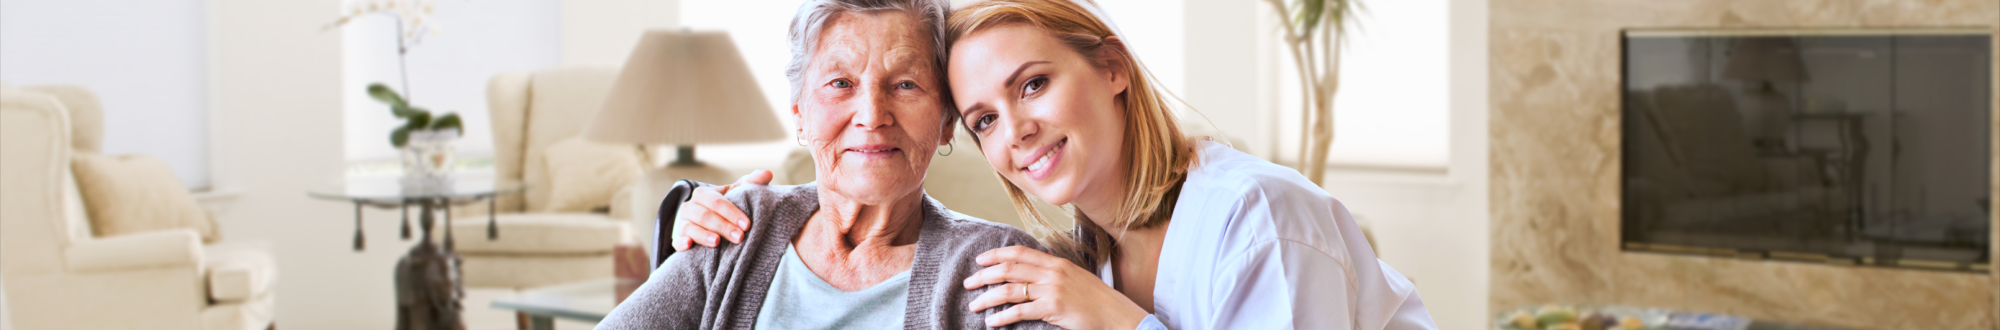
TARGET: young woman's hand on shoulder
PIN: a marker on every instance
(1048, 288)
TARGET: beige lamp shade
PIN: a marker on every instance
(685, 87)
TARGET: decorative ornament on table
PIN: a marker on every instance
(425, 141)
(1564, 317)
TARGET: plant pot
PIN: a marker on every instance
(428, 159)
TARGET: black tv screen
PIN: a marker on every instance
(1867, 147)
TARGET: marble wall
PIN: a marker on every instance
(1554, 171)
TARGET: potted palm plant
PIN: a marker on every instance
(1314, 31)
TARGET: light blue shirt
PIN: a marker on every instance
(799, 299)
(1254, 245)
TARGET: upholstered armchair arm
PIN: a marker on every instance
(166, 248)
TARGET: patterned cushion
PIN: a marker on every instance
(132, 194)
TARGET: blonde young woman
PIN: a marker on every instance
(1177, 232)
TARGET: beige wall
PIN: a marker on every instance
(1554, 162)
(602, 32)
(275, 85)
(277, 126)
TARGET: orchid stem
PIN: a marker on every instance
(402, 62)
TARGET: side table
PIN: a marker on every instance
(428, 289)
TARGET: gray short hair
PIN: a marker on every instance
(814, 15)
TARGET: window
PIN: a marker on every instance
(1393, 104)
(448, 72)
(146, 60)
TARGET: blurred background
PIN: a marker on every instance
(1819, 164)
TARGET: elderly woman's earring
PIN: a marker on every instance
(949, 148)
(802, 138)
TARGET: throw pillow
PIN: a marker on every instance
(584, 175)
(132, 194)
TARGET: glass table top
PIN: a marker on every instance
(585, 301)
(390, 189)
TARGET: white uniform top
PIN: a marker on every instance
(1254, 245)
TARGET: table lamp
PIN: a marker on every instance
(681, 88)
(685, 88)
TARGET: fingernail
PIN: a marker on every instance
(736, 236)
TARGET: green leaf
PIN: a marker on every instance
(418, 120)
(406, 112)
(1309, 14)
(448, 120)
(400, 137)
(382, 93)
(402, 111)
(1342, 11)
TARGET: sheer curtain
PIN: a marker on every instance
(146, 60)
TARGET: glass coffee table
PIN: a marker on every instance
(587, 301)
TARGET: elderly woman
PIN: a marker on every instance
(864, 247)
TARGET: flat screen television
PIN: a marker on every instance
(1865, 147)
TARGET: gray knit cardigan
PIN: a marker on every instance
(722, 288)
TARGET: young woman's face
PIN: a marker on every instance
(1047, 119)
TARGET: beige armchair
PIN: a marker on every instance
(538, 246)
(61, 276)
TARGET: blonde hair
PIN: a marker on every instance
(1159, 151)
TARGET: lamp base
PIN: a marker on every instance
(653, 188)
(663, 177)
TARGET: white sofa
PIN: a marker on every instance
(531, 112)
(59, 276)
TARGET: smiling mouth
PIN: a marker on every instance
(875, 150)
(1048, 157)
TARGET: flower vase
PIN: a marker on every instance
(428, 160)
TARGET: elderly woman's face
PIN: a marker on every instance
(871, 108)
